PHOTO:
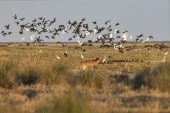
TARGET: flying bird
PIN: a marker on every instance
(117, 24)
(15, 16)
(107, 22)
(32, 37)
(7, 26)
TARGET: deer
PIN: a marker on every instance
(90, 63)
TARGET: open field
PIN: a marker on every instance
(33, 80)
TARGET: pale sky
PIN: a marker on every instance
(150, 17)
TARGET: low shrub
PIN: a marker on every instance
(155, 78)
(89, 78)
(60, 73)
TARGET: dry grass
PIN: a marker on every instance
(34, 82)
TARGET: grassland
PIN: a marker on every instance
(37, 82)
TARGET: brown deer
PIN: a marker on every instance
(90, 63)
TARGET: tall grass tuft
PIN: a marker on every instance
(155, 78)
(29, 76)
(7, 74)
(61, 73)
(89, 78)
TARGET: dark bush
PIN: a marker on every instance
(155, 78)
(28, 77)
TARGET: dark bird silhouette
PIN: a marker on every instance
(15, 16)
(4, 34)
(110, 30)
(53, 21)
(83, 19)
(150, 37)
(69, 22)
(137, 39)
(109, 27)
(118, 37)
(47, 37)
(38, 40)
(107, 22)
(94, 22)
(70, 39)
(53, 37)
(17, 23)
(7, 26)
(117, 24)
(125, 31)
(9, 33)
(141, 35)
(34, 20)
(40, 18)
(22, 19)
(21, 32)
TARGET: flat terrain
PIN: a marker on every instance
(33, 80)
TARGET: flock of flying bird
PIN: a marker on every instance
(43, 28)
(108, 34)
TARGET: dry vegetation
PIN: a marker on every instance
(33, 82)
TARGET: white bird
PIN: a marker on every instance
(87, 33)
(130, 37)
(118, 46)
(99, 37)
(62, 32)
(124, 36)
(110, 35)
(57, 57)
(146, 40)
(26, 29)
(79, 42)
(32, 37)
(143, 41)
(115, 47)
(82, 56)
(95, 31)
